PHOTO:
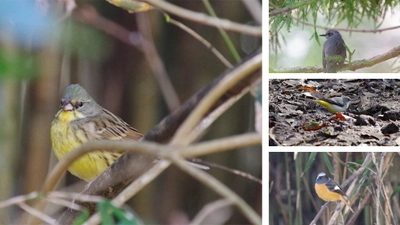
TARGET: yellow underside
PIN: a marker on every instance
(64, 140)
(331, 108)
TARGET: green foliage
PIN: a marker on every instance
(310, 161)
(327, 162)
(110, 214)
(395, 192)
(352, 12)
(396, 69)
(17, 65)
(82, 217)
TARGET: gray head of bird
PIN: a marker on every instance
(75, 98)
(342, 101)
(330, 33)
(321, 178)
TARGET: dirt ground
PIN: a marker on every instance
(372, 118)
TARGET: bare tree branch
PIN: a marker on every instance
(209, 209)
(132, 165)
(201, 18)
(355, 65)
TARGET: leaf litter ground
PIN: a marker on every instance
(372, 118)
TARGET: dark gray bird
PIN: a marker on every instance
(334, 51)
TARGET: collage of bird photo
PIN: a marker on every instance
(334, 113)
(131, 112)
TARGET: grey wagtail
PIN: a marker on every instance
(335, 104)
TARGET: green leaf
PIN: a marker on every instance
(19, 65)
(311, 159)
(395, 192)
(82, 217)
(327, 162)
(106, 212)
(110, 214)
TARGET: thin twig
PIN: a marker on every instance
(383, 166)
(255, 9)
(211, 117)
(222, 144)
(218, 187)
(344, 29)
(365, 201)
(244, 70)
(201, 39)
(209, 209)
(144, 43)
(74, 196)
(227, 169)
(133, 188)
(37, 213)
(396, 204)
(66, 203)
(18, 199)
(285, 10)
(378, 191)
(223, 33)
(355, 65)
(155, 62)
(281, 10)
(89, 15)
(319, 214)
(204, 19)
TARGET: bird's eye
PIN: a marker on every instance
(79, 104)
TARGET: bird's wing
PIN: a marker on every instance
(333, 186)
(110, 127)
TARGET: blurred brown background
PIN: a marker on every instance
(81, 48)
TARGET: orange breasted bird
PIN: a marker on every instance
(329, 191)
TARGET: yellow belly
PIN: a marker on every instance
(331, 108)
(64, 138)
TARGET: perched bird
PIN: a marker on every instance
(334, 51)
(336, 104)
(329, 191)
(81, 119)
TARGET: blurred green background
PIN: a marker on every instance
(43, 49)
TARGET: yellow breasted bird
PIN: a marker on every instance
(335, 104)
(81, 119)
(329, 191)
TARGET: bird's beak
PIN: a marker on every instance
(323, 35)
(67, 106)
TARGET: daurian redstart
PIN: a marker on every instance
(328, 190)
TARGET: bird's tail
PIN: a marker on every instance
(347, 203)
